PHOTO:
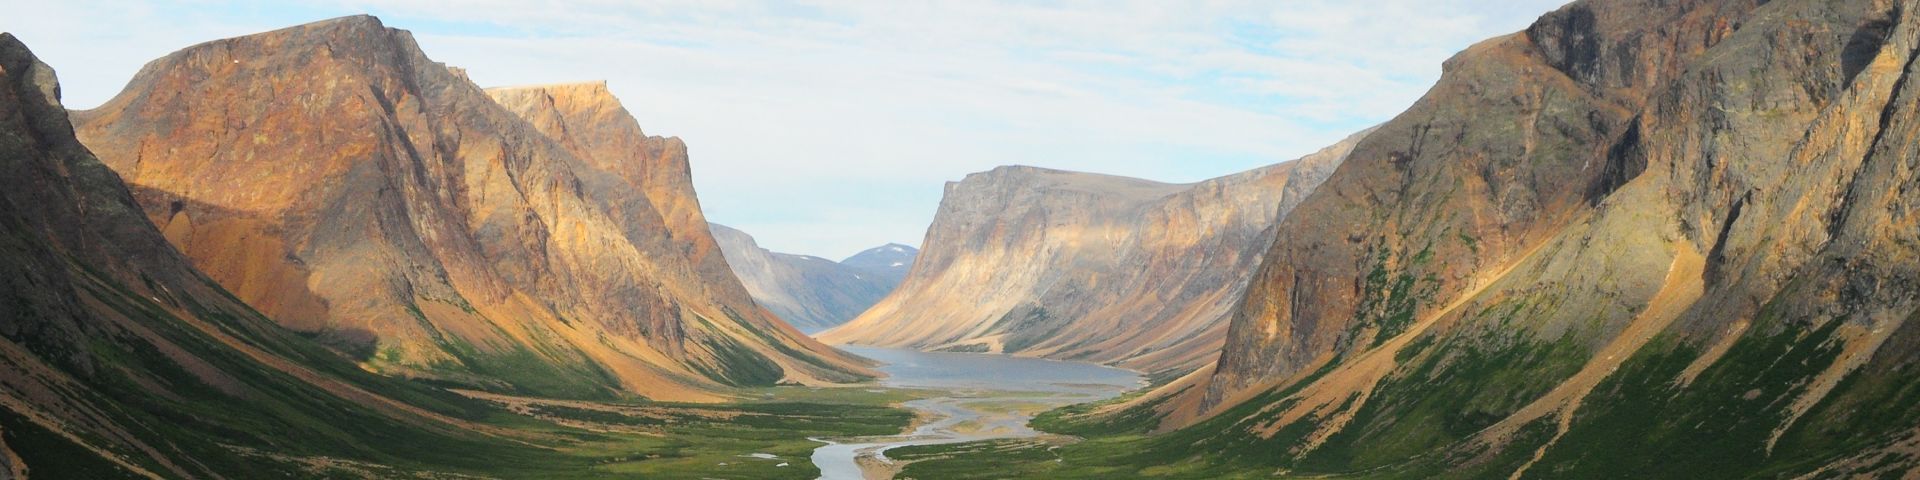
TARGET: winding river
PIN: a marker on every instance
(988, 396)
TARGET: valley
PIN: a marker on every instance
(1624, 239)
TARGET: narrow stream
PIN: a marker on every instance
(989, 396)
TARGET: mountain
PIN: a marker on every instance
(335, 178)
(810, 292)
(1640, 239)
(119, 360)
(1082, 266)
(891, 262)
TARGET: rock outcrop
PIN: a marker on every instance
(1640, 239)
(812, 293)
(335, 178)
(1089, 267)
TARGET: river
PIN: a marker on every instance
(988, 396)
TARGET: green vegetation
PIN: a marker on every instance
(53, 456)
(736, 364)
(1642, 421)
(1393, 295)
(671, 440)
(1080, 419)
(564, 374)
(966, 348)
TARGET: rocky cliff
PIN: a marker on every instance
(334, 177)
(812, 293)
(1088, 267)
(119, 360)
(1639, 239)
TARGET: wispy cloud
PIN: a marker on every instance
(829, 127)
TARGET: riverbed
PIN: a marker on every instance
(985, 396)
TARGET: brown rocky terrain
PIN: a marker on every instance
(1089, 267)
(812, 293)
(1640, 239)
(335, 178)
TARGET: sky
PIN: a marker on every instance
(826, 128)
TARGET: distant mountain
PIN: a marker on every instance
(891, 261)
(812, 293)
(522, 240)
(1091, 267)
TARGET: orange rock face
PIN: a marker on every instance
(334, 177)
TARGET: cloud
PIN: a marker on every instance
(829, 127)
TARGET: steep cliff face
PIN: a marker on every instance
(1641, 238)
(119, 360)
(334, 177)
(1088, 267)
(812, 293)
(589, 122)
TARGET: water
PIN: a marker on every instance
(978, 383)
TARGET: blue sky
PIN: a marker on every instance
(825, 128)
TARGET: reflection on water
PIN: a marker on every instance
(959, 418)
